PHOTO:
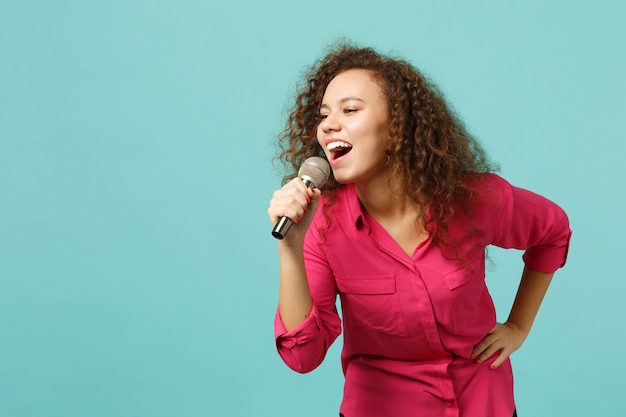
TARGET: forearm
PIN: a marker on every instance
(294, 298)
(530, 294)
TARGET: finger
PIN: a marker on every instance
(314, 192)
(295, 200)
(491, 344)
(289, 205)
(487, 353)
(305, 209)
(484, 344)
(279, 210)
(290, 201)
(313, 197)
(480, 347)
(298, 184)
(503, 356)
(294, 214)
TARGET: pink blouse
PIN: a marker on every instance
(410, 323)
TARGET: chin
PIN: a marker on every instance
(342, 179)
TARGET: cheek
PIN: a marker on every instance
(383, 133)
(319, 134)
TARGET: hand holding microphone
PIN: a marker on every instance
(314, 172)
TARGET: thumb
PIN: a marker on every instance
(314, 195)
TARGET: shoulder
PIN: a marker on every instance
(485, 207)
(491, 190)
(487, 191)
(493, 197)
(486, 183)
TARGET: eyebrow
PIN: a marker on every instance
(343, 100)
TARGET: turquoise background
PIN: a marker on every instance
(138, 276)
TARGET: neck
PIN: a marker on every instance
(384, 201)
(397, 213)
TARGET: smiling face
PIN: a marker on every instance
(353, 127)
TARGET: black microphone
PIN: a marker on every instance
(314, 172)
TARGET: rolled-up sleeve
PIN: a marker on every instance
(303, 349)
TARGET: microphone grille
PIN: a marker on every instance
(317, 169)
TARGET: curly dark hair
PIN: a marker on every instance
(429, 151)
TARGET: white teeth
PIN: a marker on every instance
(338, 144)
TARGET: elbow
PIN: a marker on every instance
(302, 369)
(301, 360)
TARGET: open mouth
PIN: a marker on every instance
(338, 149)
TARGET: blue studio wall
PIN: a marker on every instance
(138, 276)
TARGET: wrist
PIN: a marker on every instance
(519, 328)
(290, 246)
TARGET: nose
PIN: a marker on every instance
(330, 123)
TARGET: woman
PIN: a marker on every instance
(400, 235)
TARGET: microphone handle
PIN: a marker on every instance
(284, 224)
